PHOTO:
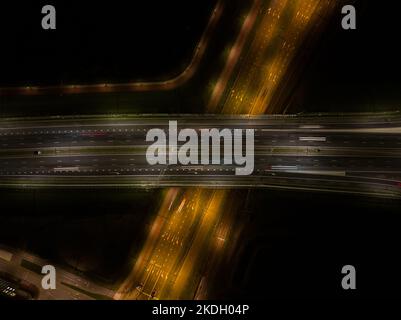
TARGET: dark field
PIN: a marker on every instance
(122, 41)
(95, 231)
(357, 70)
(295, 245)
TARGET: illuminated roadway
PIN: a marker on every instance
(264, 68)
(356, 153)
(360, 154)
(139, 86)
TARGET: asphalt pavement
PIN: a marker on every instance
(358, 153)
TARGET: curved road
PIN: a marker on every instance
(169, 84)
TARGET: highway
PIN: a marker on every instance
(356, 153)
(165, 266)
(281, 28)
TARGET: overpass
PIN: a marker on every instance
(354, 153)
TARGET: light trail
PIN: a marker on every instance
(171, 271)
(170, 254)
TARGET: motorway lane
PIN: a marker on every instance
(234, 56)
(274, 130)
(165, 265)
(96, 125)
(281, 29)
(137, 165)
(201, 248)
(341, 147)
(307, 181)
(128, 137)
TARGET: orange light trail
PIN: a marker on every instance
(189, 221)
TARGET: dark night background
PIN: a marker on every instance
(356, 70)
(299, 242)
(97, 41)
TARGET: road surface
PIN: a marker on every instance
(356, 153)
